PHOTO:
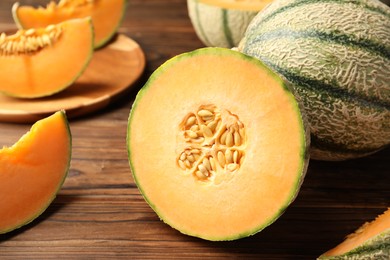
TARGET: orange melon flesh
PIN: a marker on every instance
(106, 16)
(33, 170)
(230, 206)
(364, 233)
(247, 5)
(51, 69)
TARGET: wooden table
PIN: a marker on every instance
(99, 213)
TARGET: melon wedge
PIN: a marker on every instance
(45, 61)
(370, 241)
(106, 15)
(217, 144)
(33, 170)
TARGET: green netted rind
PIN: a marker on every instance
(216, 26)
(377, 248)
(339, 68)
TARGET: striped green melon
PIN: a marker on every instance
(337, 55)
(370, 241)
(222, 23)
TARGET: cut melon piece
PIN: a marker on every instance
(370, 241)
(41, 62)
(33, 170)
(217, 144)
(106, 15)
(222, 23)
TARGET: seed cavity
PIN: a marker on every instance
(29, 41)
(215, 143)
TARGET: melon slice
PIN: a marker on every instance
(370, 241)
(33, 170)
(222, 23)
(106, 15)
(41, 62)
(217, 144)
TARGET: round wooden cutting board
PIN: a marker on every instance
(112, 70)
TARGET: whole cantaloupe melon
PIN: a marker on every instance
(222, 23)
(336, 54)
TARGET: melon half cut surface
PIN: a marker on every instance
(217, 144)
(106, 15)
(33, 170)
(47, 60)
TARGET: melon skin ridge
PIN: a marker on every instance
(305, 154)
(319, 57)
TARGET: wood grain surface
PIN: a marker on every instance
(100, 214)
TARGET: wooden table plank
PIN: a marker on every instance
(100, 214)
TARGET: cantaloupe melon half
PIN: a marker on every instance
(106, 15)
(370, 241)
(217, 144)
(41, 62)
(32, 171)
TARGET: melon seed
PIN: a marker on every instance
(221, 158)
(212, 125)
(206, 131)
(229, 139)
(205, 113)
(191, 134)
(29, 32)
(232, 166)
(237, 138)
(182, 165)
(229, 156)
(198, 140)
(195, 151)
(206, 164)
(235, 156)
(212, 164)
(50, 28)
(187, 163)
(2, 37)
(194, 128)
(223, 137)
(190, 121)
(200, 175)
(203, 169)
(191, 158)
(46, 39)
